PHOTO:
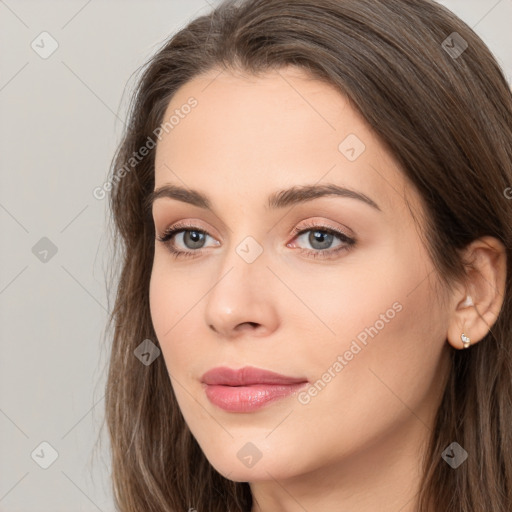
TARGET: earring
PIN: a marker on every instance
(465, 340)
(468, 301)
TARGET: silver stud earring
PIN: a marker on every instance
(468, 302)
(465, 340)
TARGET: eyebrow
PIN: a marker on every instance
(279, 199)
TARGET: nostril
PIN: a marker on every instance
(252, 324)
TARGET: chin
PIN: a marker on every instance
(240, 468)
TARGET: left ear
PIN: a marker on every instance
(479, 301)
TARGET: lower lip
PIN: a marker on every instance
(249, 398)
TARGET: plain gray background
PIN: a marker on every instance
(61, 118)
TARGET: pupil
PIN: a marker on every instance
(195, 237)
(318, 236)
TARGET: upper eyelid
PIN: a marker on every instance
(177, 228)
(185, 226)
(311, 224)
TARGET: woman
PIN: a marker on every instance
(314, 306)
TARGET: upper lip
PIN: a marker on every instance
(223, 376)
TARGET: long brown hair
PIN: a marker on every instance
(447, 119)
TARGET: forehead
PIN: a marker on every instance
(251, 135)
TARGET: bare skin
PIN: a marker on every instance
(356, 443)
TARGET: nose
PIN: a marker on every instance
(242, 301)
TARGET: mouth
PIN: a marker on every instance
(249, 388)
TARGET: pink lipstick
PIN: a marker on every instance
(248, 388)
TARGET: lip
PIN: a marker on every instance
(247, 389)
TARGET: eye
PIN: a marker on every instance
(321, 239)
(193, 238)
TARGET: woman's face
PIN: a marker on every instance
(354, 318)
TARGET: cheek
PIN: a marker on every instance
(359, 300)
(384, 360)
(172, 299)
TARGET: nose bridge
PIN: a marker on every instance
(245, 244)
(243, 265)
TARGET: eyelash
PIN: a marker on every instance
(182, 227)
